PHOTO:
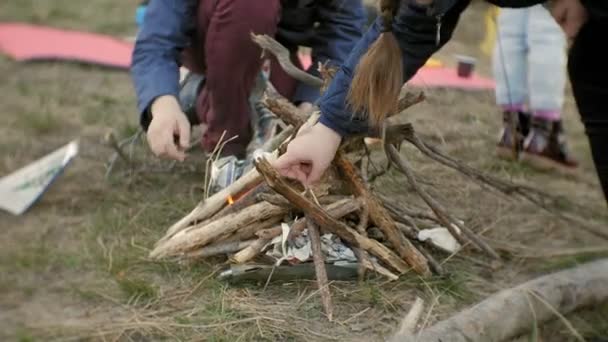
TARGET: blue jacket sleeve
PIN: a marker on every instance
(155, 63)
(341, 26)
(416, 31)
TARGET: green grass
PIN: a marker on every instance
(40, 122)
(104, 16)
(559, 263)
(136, 288)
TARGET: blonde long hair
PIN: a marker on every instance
(379, 75)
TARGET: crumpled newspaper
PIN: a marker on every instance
(300, 249)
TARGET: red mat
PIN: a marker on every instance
(435, 77)
(25, 42)
(441, 77)
(36, 43)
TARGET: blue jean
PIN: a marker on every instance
(529, 60)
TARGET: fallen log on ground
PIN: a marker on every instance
(513, 312)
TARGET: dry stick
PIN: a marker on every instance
(320, 270)
(330, 199)
(336, 210)
(565, 291)
(110, 139)
(411, 233)
(529, 193)
(250, 231)
(284, 58)
(285, 110)
(225, 247)
(323, 219)
(362, 229)
(274, 199)
(198, 235)
(442, 214)
(402, 211)
(381, 218)
(249, 198)
(408, 324)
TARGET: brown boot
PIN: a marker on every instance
(545, 147)
(516, 126)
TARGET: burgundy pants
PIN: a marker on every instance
(223, 50)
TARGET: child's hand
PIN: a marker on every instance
(309, 154)
(168, 121)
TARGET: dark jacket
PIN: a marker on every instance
(329, 27)
(420, 30)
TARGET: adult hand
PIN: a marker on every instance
(309, 154)
(571, 15)
(168, 122)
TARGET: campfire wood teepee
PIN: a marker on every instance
(243, 218)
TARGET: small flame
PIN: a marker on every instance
(230, 200)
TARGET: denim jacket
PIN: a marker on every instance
(330, 27)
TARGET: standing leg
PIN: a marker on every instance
(588, 69)
(545, 146)
(509, 62)
(232, 62)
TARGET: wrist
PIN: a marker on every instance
(164, 104)
(333, 136)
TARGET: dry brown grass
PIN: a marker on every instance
(75, 267)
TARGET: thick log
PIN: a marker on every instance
(512, 312)
(224, 247)
(324, 220)
(196, 236)
(250, 252)
(381, 218)
(320, 271)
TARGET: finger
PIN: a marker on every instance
(306, 168)
(284, 162)
(156, 148)
(314, 175)
(183, 127)
(299, 174)
(289, 174)
(172, 152)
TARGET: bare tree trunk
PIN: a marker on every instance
(512, 312)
